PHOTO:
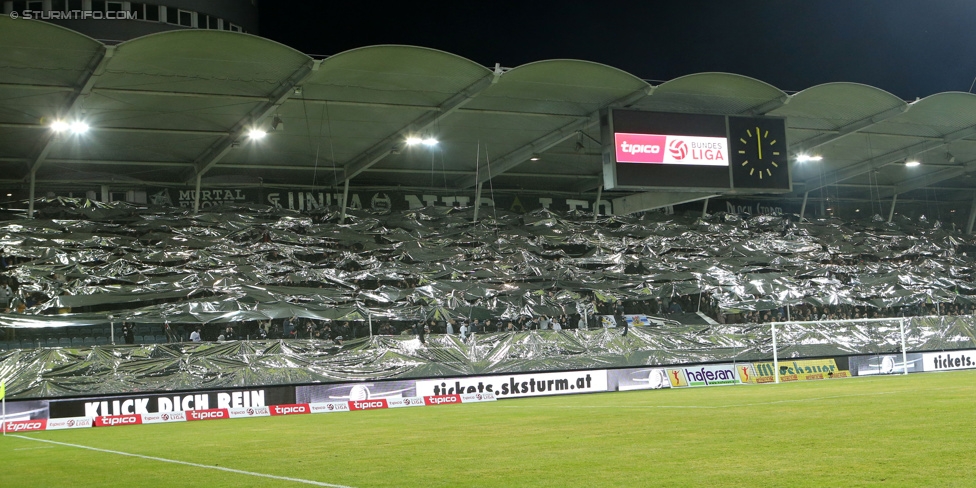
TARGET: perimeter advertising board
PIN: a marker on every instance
(175, 402)
(518, 385)
(680, 152)
(798, 370)
(949, 360)
(707, 375)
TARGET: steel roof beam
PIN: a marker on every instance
(216, 152)
(395, 141)
(94, 70)
(769, 106)
(846, 130)
(549, 140)
(928, 180)
(862, 167)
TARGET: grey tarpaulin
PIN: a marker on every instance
(87, 260)
(60, 372)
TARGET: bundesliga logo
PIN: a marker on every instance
(678, 149)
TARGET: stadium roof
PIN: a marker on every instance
(168, 107)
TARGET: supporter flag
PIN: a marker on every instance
(3, 389)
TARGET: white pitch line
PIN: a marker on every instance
(185, 463)
(33, 448)
(735, 405)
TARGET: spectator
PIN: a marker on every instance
(128, 333)
(618, 317)
(170, 335)
(195, 335)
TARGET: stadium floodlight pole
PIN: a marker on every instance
(772, 327)
(904, 353)
(477, 202)
(596, 206)
(803, 208)
(369, 320)
(345, 198)
(196, 196)
(972, 217)
(891, 211)
(33, 182)
(705, 208)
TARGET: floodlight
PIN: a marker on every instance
(413, 141)
(430, 141)
(60, 126)
(802, 158)
(912, 162)
(256, 134)
(79, 127)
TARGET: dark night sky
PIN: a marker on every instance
(912, 48)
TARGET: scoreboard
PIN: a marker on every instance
(681, 152)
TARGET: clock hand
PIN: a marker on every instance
(759, 142)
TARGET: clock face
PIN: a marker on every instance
(758, 153)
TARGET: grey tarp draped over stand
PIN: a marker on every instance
(61, 372)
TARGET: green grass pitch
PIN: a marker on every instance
(912, 431)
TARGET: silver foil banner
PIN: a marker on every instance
(66, 372)
(81, 261)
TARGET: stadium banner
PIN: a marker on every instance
(70, 423)
(637, 379)
(344, 392)
(518, 385)
(368, 404)
(380, 201)
(875, 364)
(25, 425)
(478, 397)
(116, 420)
(442, 399)
(162, 418)
(405, 402)
(290, 409)
(328, 407)
(143, 404)
(797, 370)
(209, 414)
(947, 361)
(238, 413)
(704, 375)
